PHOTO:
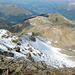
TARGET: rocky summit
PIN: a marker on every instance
(40, 45)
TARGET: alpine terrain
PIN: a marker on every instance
(13, 13)
(39, 45)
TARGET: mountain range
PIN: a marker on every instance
(39, 45)
(46, 41)
(66, 9)
(12, 13)
(4, 24)
(16, 13)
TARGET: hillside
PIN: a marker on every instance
(39, 45)
(4, 24)
(52, 26)
(12, 13)
(48, 20)
(31, 55)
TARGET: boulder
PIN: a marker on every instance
(32, 38)
(28, 55)
(6, 53)
(17, 49)
(30, 49)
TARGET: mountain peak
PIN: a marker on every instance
(13, 8)
(44, 20)
(1, 4)
(13, 13)
(11, 4)
(48, 25)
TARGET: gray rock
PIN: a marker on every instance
(8, 54)
(28, 55)
(5, 53)
(17, 49)
(30, 49)
(32, 38)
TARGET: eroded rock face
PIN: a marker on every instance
(28, 55)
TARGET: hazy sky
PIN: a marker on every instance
(28, 1)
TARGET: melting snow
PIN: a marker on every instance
(52, 55)
(39, 49)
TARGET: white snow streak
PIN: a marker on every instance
(40, 50)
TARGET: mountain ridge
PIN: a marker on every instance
(12, 7)
(42, 44)
(50, 19)
(53, 26)
(13, 13)
(4, 24)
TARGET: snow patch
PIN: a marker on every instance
(52, 55)
(39, 49)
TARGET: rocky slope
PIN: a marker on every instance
(31, 55)
(55, 27)
(52, 26)
(45, 41)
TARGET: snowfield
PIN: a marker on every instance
(35, 46)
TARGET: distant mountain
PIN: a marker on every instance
(4, 24)
(40, 8)
(12, 13)
(31, 1)
(71, 6)
(67, 9)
